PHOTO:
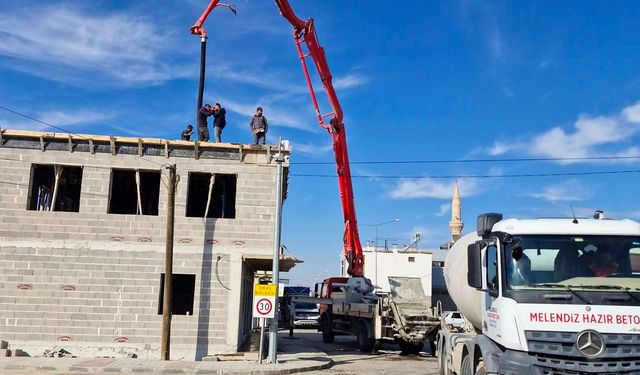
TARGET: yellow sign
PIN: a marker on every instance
(265, 290)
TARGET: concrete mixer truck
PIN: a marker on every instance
(544, 296)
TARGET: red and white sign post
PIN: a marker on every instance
(264, 306)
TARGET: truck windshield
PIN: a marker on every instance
(610, 263)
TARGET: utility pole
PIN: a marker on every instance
(168, 267)
(273, 329)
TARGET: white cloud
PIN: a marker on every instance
(499, 148)
(632, 113)
(349, 81)
(589, 133)
(275, 115)
(76, 45)
(567, 191)
(310, 148)
(64, 119)
(433, 188)
(601, 136)
(444, 209)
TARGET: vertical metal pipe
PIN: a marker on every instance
(203, 60)
(261, 351)
(273, 329)
(168, 268)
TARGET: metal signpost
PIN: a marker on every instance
(264, 307)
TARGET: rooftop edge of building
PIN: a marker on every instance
(109, 144)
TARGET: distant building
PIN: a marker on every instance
(82, 242)
(380, 263)
(439, 288)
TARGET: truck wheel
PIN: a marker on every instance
(465, 367)
(327, 331)
(442, 362)
(365, 343)
(480, 370)
(407, 347)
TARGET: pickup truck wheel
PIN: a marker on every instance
(365, 343)
(466, 367)
(327, 331)
(407, 347)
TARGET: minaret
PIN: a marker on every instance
(456, 223)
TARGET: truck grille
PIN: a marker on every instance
(556, 353)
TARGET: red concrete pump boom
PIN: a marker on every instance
(304, 32)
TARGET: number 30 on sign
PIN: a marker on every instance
(264, 300)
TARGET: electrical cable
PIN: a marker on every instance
(474, 175)
(444, 161)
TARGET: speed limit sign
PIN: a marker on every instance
(264, 300)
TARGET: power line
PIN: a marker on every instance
(64, 130)
(474, 175)
(451, 161)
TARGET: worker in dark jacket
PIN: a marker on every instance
(203, 128)
(219, 121)
(259, 127)
(186, 133)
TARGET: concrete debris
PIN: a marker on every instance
(58, 353)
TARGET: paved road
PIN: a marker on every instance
(350, 361)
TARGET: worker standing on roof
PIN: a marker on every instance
(259, 127)
(203, 128)
(219, 121)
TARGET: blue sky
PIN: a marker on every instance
(418, 80)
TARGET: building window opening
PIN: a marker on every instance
(55, 188)
(412, 259)
(134, 192)
(182, 294)
(212, 195)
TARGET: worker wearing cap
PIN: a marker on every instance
(259, 127)
(203, 128)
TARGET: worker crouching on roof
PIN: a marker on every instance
(187, 132)
(203, 128)
(259, 127)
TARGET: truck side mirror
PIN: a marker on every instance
(474, 265)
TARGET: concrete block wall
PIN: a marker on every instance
(252, 228)
(89, 281)
(97, 302)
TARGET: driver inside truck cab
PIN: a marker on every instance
(603, 264)
(519, 268)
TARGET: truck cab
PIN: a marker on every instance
(547, 296)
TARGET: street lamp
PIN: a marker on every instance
(375, 246)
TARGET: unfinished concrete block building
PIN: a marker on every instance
(82, 241)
